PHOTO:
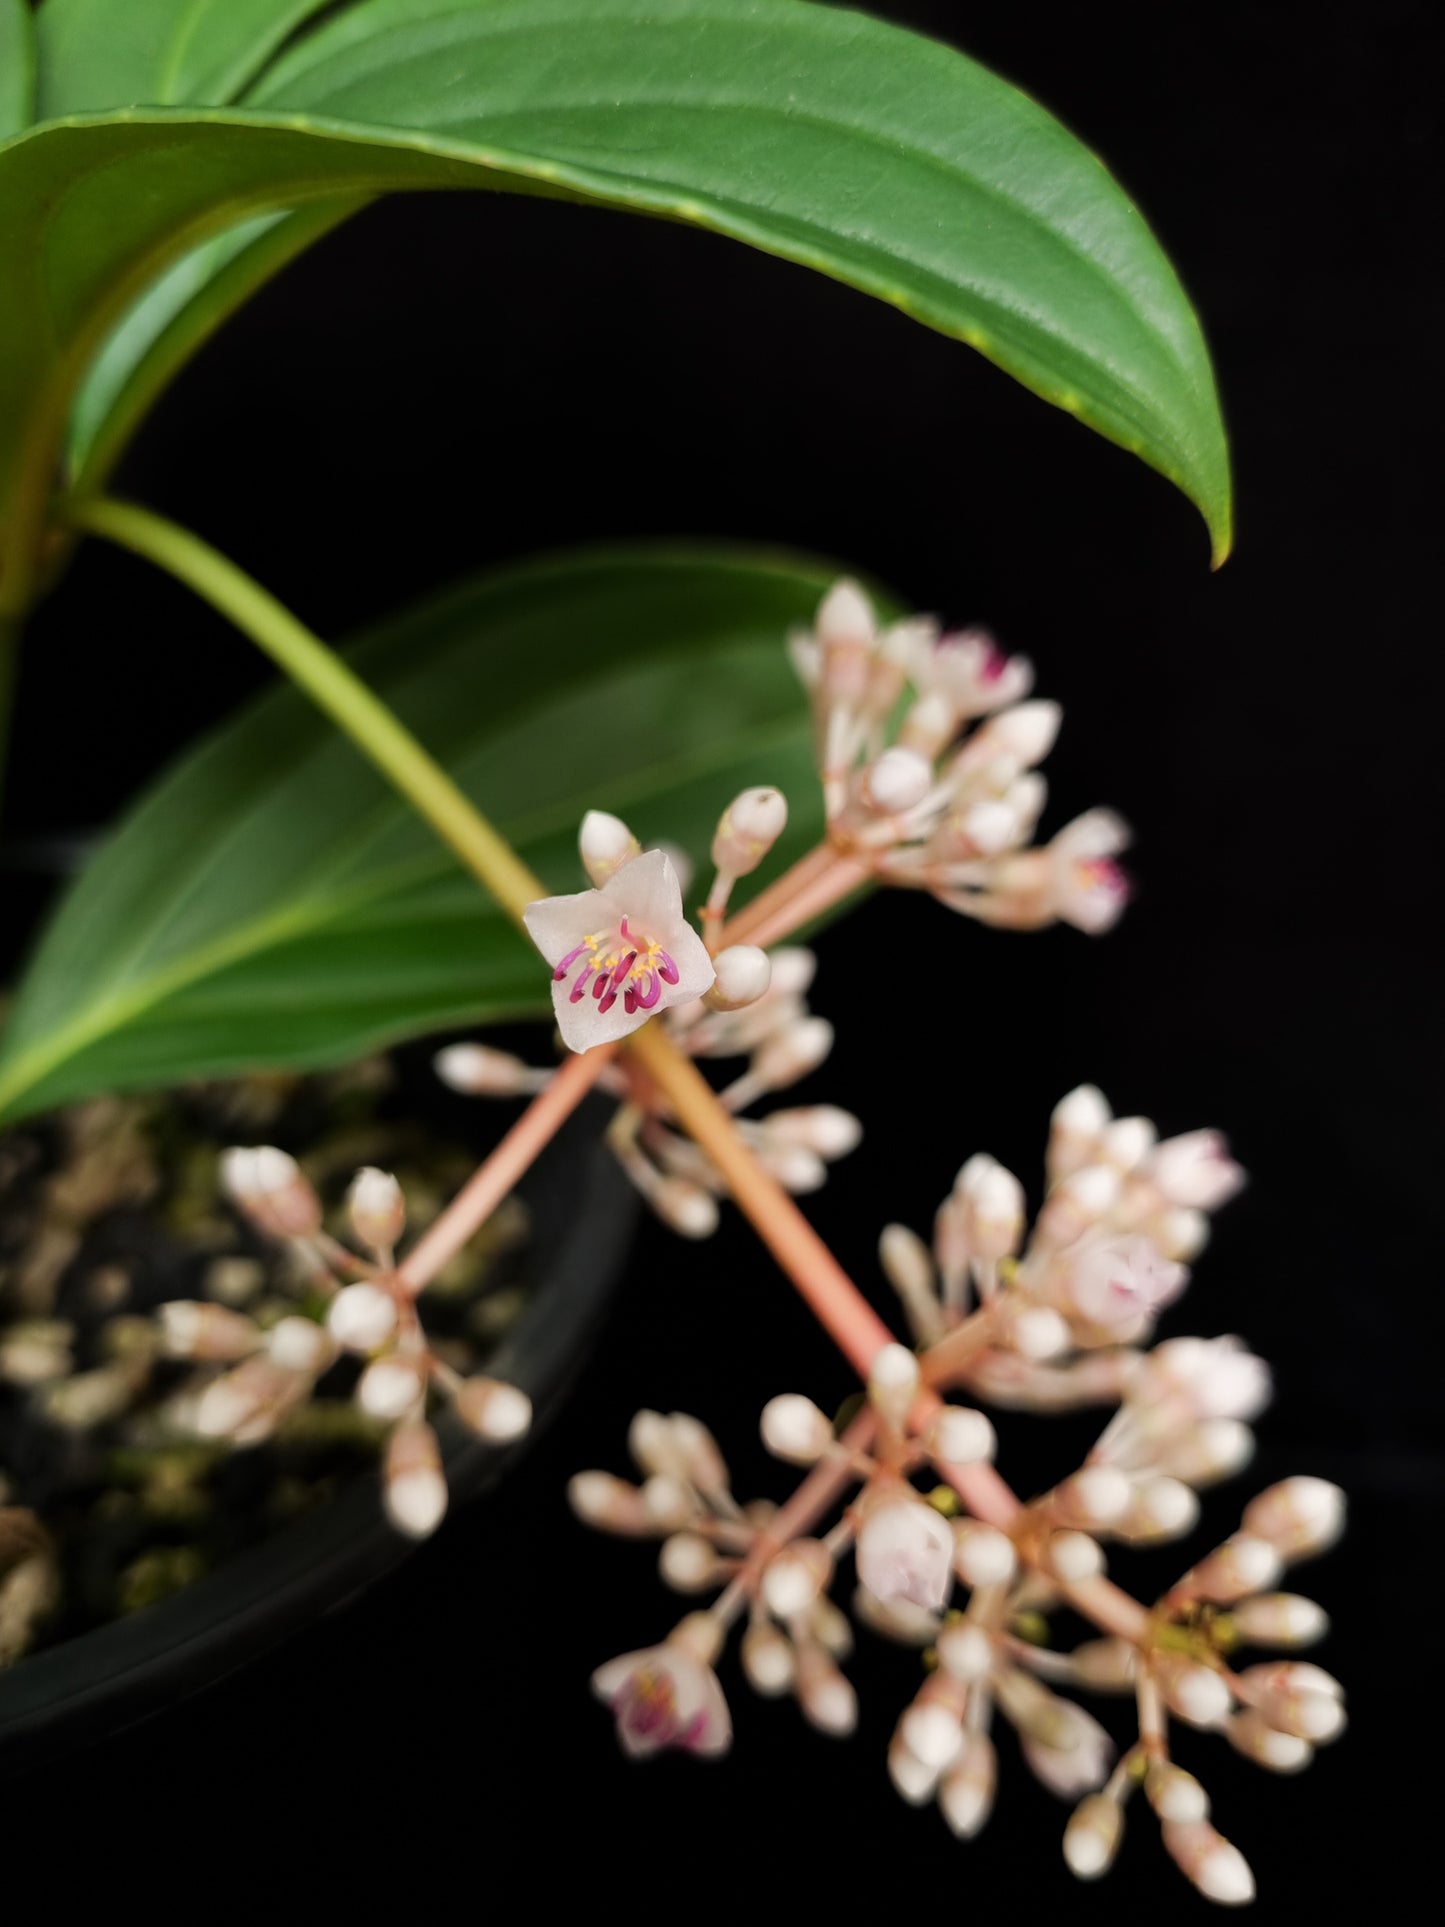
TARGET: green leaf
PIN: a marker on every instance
(271, 901)
(874, 156)
(17, 67)
(157, 53)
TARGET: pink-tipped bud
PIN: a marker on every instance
(1299, 1516)
(609, 1504)
(300, 1345)
(605, 844)
(1196, 1693)
(1242, 1565)
(792, 1053)
(768, 1659)
(1218, 1869)
(377, 1208)
(391, 1387)
(192, 1328)
(795, 1430)
(795, 1578)
(966, 1795)
(1100, 1495)
(476, 1070)
(957, 1435)
(824, 1694)
(1176, 1796)
(1073, 1556)
(493, 1409)
(1249, 1733)
(268, 1186)
(684, 1207)
(361, 1318)
(893, 1383)
(415, 1488)
(1091, 1839)
(825, 1129)
(982, 1555)
(904, 1550)
(750, 826)
(689, 1563)
(966, 1651)
(743, 975)
(1280, 1619)
(897, 781)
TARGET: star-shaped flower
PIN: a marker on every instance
(620, 953)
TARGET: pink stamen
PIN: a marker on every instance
(601, 985)
(619, 975)
(669, 971)
(654, 991)
(567, 962)
(575, 995)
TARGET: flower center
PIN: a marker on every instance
(617, 961)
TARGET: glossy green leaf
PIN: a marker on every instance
(872, 155)
(17, 67)
(272, 902)
(157, 53)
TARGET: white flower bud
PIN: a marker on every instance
(1251, 1734)
(605, 844)
(1099, 1495)
(688, 1563)
(794, 1429)
(794, 1578)
(932, 1727)
(824, 1694)
(702, 1463)
(983, 1556)
(750, 826)
(798, 1170)
(897, 781)
(1280, 1619)
(652, 1440)
(1296, 1698)
(904, 1550)
(893, 1383)
(1299, 1516)
(415, 1489)
(191, 1328)
(1072, 1556)
(391, 1386)
(300, 1345)
(1091, 1839)
(667, 1502)
(1126, 1142)
(684, 1207)
(361, 1317)
(608, 1503)
(743, 975)
(794, 969)
(377, 1208)
(965, 1650)
(1107, 1665)
(1078, 1122)
(789, 1055)
(845, 617)
(1195, 1170)
(1196, 1693)
(824, 1129)
(993, 1210)
(829, 1625)
(1160, 1508)
(768, 1659)
(897, 1619)
(966, 1794)
(1215, 1449)
(476, 1070)
(493, 1409)
(1242, 1565)
(1035, 1331)
(1077, 1202)
(268, 1186)
(913, 1780)
(1219, 1870)
(1176, 1796)
(957, 1435)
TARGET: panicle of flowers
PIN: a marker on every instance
(945, 1559)
(929, 750)
(752, 1005)
(361, 1308)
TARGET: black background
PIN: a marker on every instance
(456, 381)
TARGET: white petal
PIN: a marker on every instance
(558, 924)
(646, 891)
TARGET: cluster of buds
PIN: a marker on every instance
(253, 1376)
(929, 758)
(948, 1560)
(738, 1001)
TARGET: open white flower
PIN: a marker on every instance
(665, 1696)
(620, 953)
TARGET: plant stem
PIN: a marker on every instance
(331, 685)
(814, 884)
(496, 1175)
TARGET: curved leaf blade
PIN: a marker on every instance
(157, 53)
(17, 67)
(879, 158)
(272, 902)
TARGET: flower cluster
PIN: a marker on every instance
(950, 803)
(254, 1376)
(947, 1559)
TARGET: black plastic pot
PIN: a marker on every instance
(582, 1218)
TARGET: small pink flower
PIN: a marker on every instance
(620, 953)
(1077, 1758)
(1120, 1282)
(665, 1696)
(1195, 1170)
(972, 672)
(1088, 888)
(905, 1551)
